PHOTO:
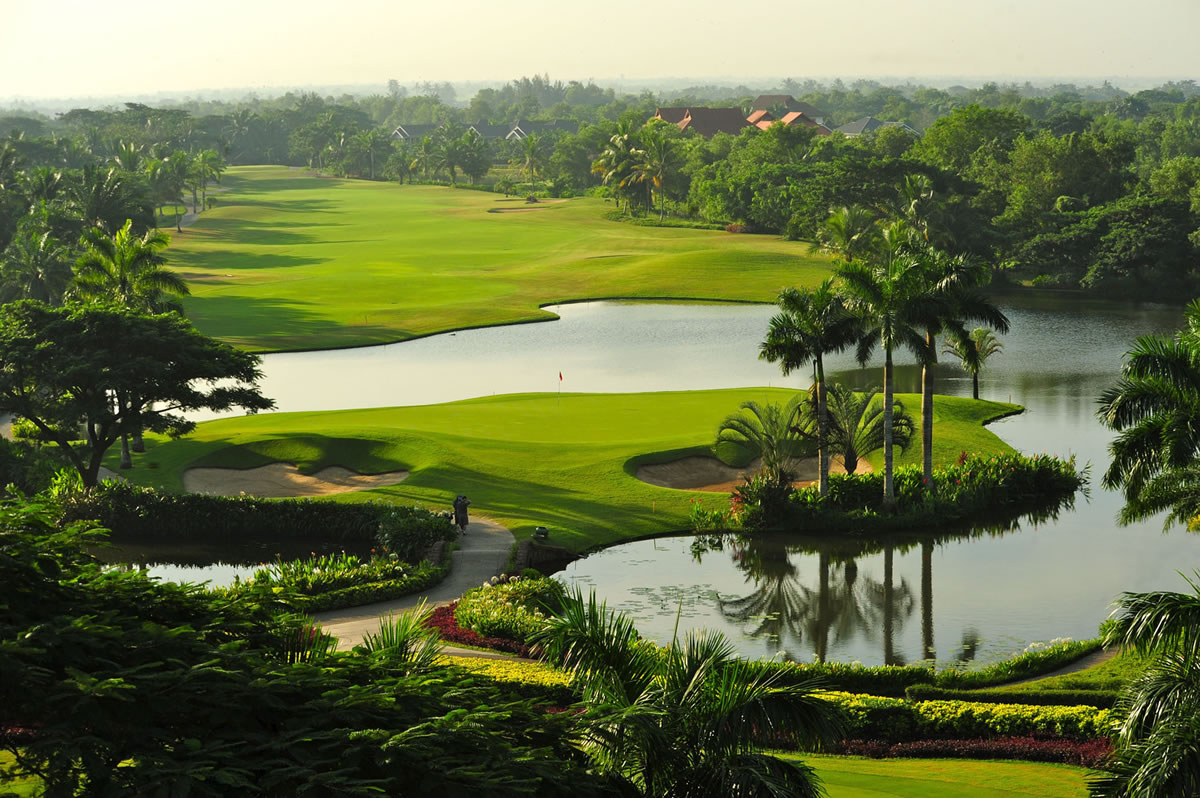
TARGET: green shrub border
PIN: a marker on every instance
(1101, 699)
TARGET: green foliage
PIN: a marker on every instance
(134, 513)
(532, 680)
(895, 720)
(1103, 699)
(515, 609)
(1035, 661)
(979, 486)
(405, 640)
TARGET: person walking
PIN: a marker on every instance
(461, 503)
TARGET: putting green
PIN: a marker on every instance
(854, 777)
(291, 261)
(524, 459)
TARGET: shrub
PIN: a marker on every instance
(1088, 753)
(737, 227)
(896, 720)
(1068, 698)
(514, 609)
(531, 680)
(134, 513)
(1034, 661)
(887, 680)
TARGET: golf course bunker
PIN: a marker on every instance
(283, 480)
(700, 472)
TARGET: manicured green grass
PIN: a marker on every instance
(1111, 675)
(855, 777)
(292, 261)
(525, 459)
(26, 785)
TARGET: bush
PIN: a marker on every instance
(978, 486)
(737, 227)
(1035, 661)
(514, 609)
(1088, 754)
(530, 680)
(134, 513)
(896, 720)
(887, 680)
(1103, 699)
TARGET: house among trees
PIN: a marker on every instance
(489, 132)
(763, 119)
(529, 127)
(783, 104)
(869, 124)
(706, 122)
(413, 132)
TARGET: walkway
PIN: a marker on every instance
(482, 553)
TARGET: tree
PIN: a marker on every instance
(856, 424)
(768, 431)
(615, 164)
(1153, 408)
(209, 165)
(684, 720)
(851, 233)
(107, 198)
(110, 371)
(128, 270)
(810, 324)
(656, 162)
(973, 352)
(34, 266)
(890, 298)
(532, 156)
(424, 157)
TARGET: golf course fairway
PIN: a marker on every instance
(524, 459)
(290, 261)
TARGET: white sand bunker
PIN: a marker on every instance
(283, 480)
(699, 472)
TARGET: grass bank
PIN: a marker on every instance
(291, 261)
(524, 459)
(854, 777)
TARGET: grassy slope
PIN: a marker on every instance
(1111, 675)
(525, 459)
(290, 261)
(852, 777)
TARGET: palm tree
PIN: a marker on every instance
(615, 164)
(107, 198)
(810, 325)
(973, 352)
(35, 266)
(769, 431)
(856, 424)
(128, 269)
(1154, 407)
(424, 157)
(1157, 741)
(890, 298)
(687, 719)
(209, 166)
(851, 233)
(656, 162)
(532, 156)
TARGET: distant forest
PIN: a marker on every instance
(1090, 188)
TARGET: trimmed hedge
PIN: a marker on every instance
(1088, 754)
(424, 577)
(896, 720)
(142, 514)
(1104, 699)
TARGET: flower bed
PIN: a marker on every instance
(447, 627)
(514, 607)
(531, 680)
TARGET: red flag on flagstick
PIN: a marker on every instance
(560, 376)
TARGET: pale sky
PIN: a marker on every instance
(77, 48)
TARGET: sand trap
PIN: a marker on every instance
(699, 472)
(283, 480)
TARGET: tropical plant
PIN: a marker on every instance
(768, 431)
(973, 352)
(689, 719)
(34, 266)
(1157, 741)
(615, 164)
(656, 163)
(532, 156)
(851, 233)
(424, 157)
(856, 424)
(1153, 408)
(405, 639)
(108, 198)
(811, 324)
(890, 298)
(128, 269)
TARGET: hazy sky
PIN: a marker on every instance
(61, 48)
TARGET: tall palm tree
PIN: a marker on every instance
(811, 324)
(973, 352)
(1154, 407)
(770, 431)
(34, 266)
(1157, 742)
(951, 284)
(656, 162)
(209, 166)
(424, 156)
(890, 298)
(685, 720)
(108, 198)
(532, 156)
(615, 164)
(856, 425)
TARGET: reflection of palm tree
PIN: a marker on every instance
(892, 603)
(778, 600)
(927, 652)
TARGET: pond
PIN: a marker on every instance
(988, 594)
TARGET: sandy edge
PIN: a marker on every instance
(283, 480)
(702, 472)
